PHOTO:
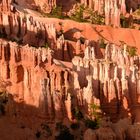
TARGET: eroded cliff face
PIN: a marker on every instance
(111, 10)
(110, 82)
(48, 77)
(55, 87)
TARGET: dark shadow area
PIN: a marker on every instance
(134, 4)
(66, 5)
(30, 120)
(70, 33)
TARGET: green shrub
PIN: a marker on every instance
(57, 12)
(92, 124)
(96, 113)
(46, 46)
(95, 110)
(78, 14)
(126, 22)
(96, 18)
(77, 114)
(102, 43)
(132, 51)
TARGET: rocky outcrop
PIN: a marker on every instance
(58, 75)
(44, 5)
(5, 5)
(49, 84)
(24, 29)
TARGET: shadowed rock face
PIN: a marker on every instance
(134, 4)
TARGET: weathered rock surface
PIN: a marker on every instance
(47, 85)
(49, 77)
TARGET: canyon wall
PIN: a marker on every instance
(112, 10)
(38, 32)
(110, 82)
(24, 29)
(55, 88)
(56, 75)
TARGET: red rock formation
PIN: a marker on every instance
(69, 74)
(5, 5)
(28, 69)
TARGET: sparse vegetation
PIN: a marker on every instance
(57, 12)
(132, 51)
(102, 43)
(96, 18)
(124, 24)
(64, 133)
(78, 14)
(95, 109)
(92, 124)
(77, 114)
(96, 114)
(84, 14)
(127, 22)
(47, 45)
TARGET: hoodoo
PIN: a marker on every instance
(69, 70)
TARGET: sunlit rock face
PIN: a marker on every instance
(55, 88)
(111, 82)
(5, 5)
(49, 76)
(97, 5)
(110, 8)
(43, 5)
